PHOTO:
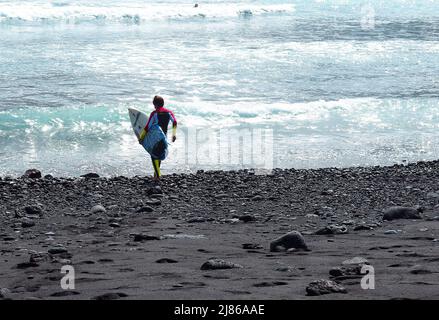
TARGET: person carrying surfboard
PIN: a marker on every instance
(160, 116)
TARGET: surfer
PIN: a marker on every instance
(162, 117)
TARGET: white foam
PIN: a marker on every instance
(131, 12)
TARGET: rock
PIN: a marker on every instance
(433, 195)
(65, 293)
(251, 246)
(27, 223)
(111, 296)
(398, 212)
(32, 174)
(91, 175)
(57, 250)
(322, 286)
(145, 237)
(363, 227)
(418, 269)
(144, 209)
(48, 177)
(215, 264)
(353, 270)
(33, 210)
(4, 293)
(247, 218)
(290, 240)
(390, 232)
(332, 229)
(39, 257)
(355, 261)
(166, 260)
(257, 198)
(155, 190)
(26, 265)
(114, 225)
(154, 202)
(98, 209)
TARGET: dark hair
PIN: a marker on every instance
(158, 102)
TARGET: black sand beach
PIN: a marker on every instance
(128, 238)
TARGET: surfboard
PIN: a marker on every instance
(155, 142)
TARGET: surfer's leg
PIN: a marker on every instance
(156, 165)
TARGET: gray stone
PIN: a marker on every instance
(293, 239)
(332, 229)
(398, 212)
(91, 175)
(355, 261)
(98, 209)
(144, 209)
(215, 264)
(32, 174)
(322, 286)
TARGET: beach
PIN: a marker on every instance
(129, 238)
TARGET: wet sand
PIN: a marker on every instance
(128, 238)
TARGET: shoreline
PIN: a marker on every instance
(128, 238)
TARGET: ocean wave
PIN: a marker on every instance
(136, 13)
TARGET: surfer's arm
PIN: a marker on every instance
(174, 126)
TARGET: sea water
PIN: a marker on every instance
(337, 83)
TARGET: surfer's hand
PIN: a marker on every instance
(142, 136)
(174, 138)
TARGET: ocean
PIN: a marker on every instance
(330, 83)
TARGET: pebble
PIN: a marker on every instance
(33, 210)
(215, 264)
(27, 223)
(247, 218)
(166, 260)
(322, 286)
(98, 209)
(111, 296)
(57, 250)
(355, 260)
(144, 209)
(4, 293)
(398, 212)
(145, 237)
(293, 239)
(251, 246)
(332, 229)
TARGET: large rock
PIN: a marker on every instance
(32, 174)
(397, 212)
(215, 264)
(322, 286)
(291, 240)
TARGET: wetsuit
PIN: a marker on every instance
(162, 117)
